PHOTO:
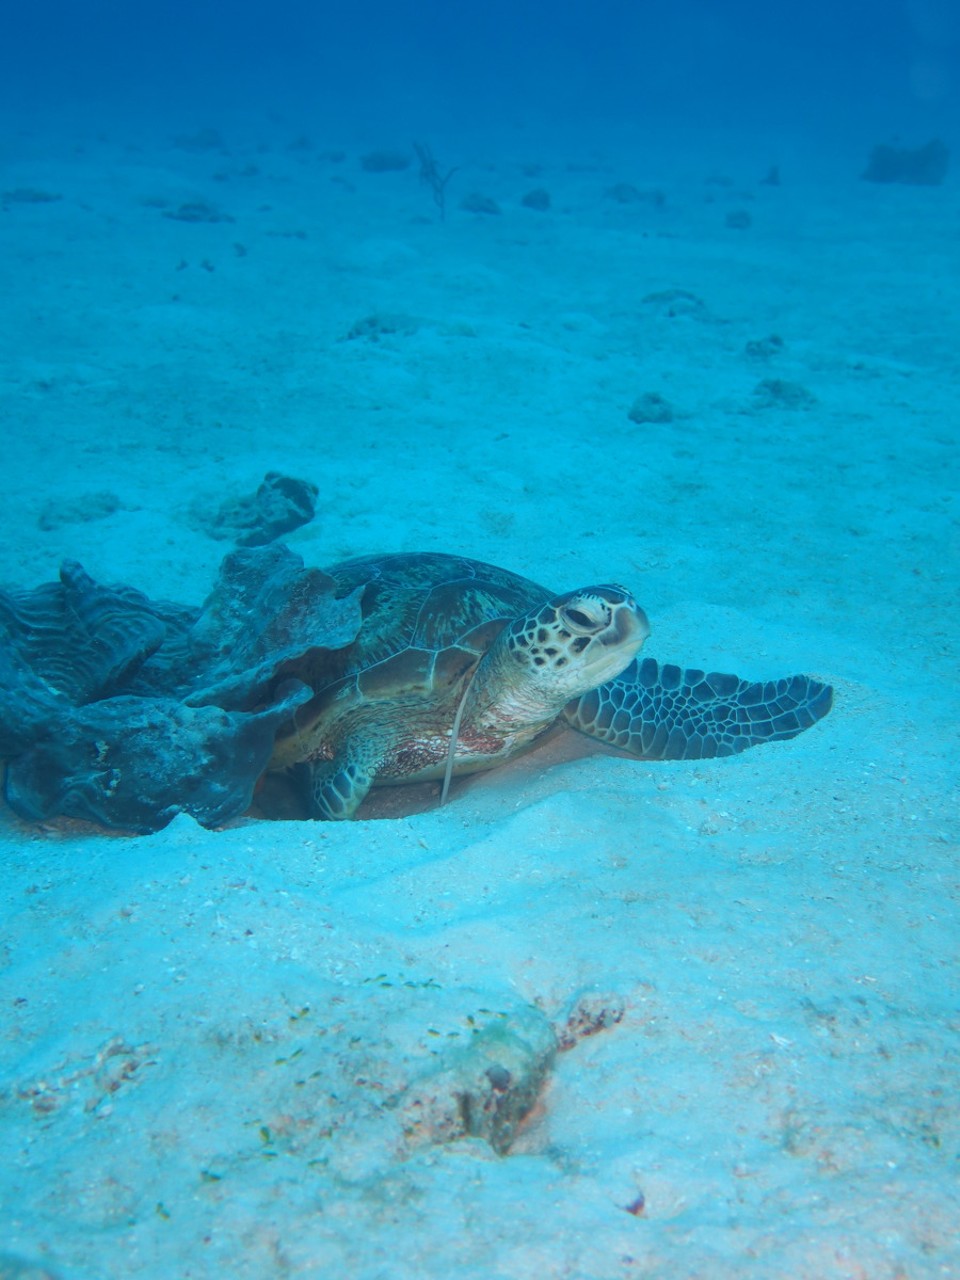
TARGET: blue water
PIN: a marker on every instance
(814, 69)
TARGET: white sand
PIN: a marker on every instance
(205, 1034)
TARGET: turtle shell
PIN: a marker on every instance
(429, 602)
(427, 619)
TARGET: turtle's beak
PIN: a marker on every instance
(628, 626)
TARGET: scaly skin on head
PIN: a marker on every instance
(573, 643)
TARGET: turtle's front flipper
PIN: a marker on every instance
(337, 788)
(663, 713)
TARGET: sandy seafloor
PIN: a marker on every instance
(211, 1039)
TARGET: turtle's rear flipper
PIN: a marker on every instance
(664, 713)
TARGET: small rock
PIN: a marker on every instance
(382, 325)
(627, 193)
(671, 303)
(477, 203)
(777, 393)
(538, 199)
(764, 348)
(650, 407)
(197, 211)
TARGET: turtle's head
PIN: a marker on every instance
(579, 640)
(572, 643)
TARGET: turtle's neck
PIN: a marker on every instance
(505, 699)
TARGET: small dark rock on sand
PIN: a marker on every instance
(778, 393)
(671, 303)
(650, 407)
(383, 325)
(538, 199)
(627, 193)
(917, 167)
(477, 203)
(764, 348)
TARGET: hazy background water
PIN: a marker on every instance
(859, 71)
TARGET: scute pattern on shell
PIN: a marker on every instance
(427, 601)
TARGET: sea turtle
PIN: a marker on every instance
(398, 668)
(458, 666)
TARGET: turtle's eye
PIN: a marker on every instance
(578, 619)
